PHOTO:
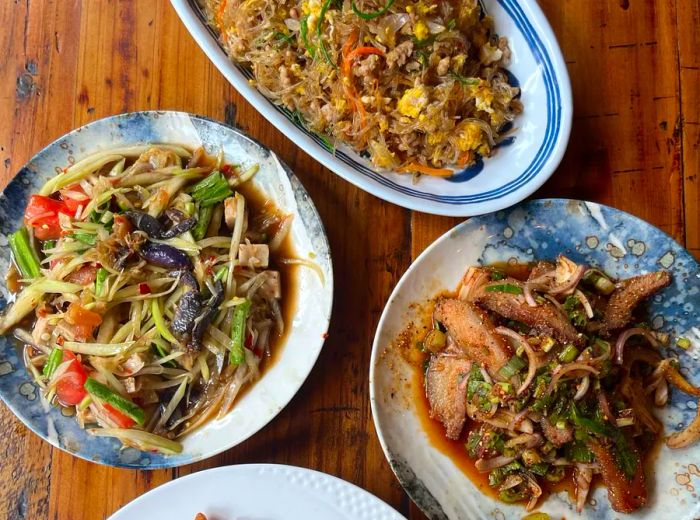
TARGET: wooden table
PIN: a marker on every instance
(635, 71)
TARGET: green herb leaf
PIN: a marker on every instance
(371, 15)
(505, 287)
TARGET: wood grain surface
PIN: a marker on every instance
(635, 72)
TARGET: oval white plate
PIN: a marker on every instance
(598, 235)
(513, 173)
(258, 492)
(303, 343)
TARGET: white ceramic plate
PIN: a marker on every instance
(513, 173)
(310, 321)
(597, 235)
(258, 492)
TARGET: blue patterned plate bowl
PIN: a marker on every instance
(303, 344)
(522, 163)
(614, 241)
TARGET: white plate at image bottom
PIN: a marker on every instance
(258, 492)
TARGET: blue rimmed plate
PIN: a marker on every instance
(313, 297)
(612, 240)
(514, 172)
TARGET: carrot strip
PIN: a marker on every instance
(346, 71)
(415, 166)
(220, 14)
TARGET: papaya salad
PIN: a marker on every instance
(550, 372)
(147, 291)
(420, 86)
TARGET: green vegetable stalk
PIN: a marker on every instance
(54, 359)
(203, 220)
(240, 316)
(24, 254)
(214, 188)
(101, 392)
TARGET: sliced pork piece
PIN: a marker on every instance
(627, 295)
(624, 495)
(474, 333)
(545, 318)
(445, 386)
(555, 435)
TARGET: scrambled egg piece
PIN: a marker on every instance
(483, 96)
(381, 156)
(413, 101)
(470, 138)
(420, 30)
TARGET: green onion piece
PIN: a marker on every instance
(283, 37)
(240, 316)
(540, 468)
(162, 351)
(221, 273)
(304, 31)
(504, 287)
(531, 457)
(435, 341)
(85, 238)
(107, 395)
(100, 279)
(371, 15)
(87, 401)
(473, 443)
(451, 24)
(161, 327)
(48, 244)
(512, 495)
(537, 516)
(465, 81)
(24, 254)
(568, 354)
(319, 35)
(107, 217)
(497, 275)
(512, 367)
(683, 343)
(54, 359)
(602, 283)
(203, 220)
(211, 190)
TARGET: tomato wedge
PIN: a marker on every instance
(118, 418)
(74, 197)
(69, 388)
(42, 214)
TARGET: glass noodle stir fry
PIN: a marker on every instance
(556, 375)
(147, 291)
(419, 85)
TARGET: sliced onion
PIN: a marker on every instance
(485, 375)
(622, 340)
(562, 370)
(583, 477)
(533, 361)
(583, 387)
(292, 24)
(568, 285)
(661, 394)
(536, 493)
(605, 406)
(586, 304)
(517, 419)
(473, 280)
(688, 436)
(529, 298)
(528, 440)
(486, 465)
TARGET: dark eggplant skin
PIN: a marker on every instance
(166, 256)
(202, 321)
(189, 306)
(154, 228)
